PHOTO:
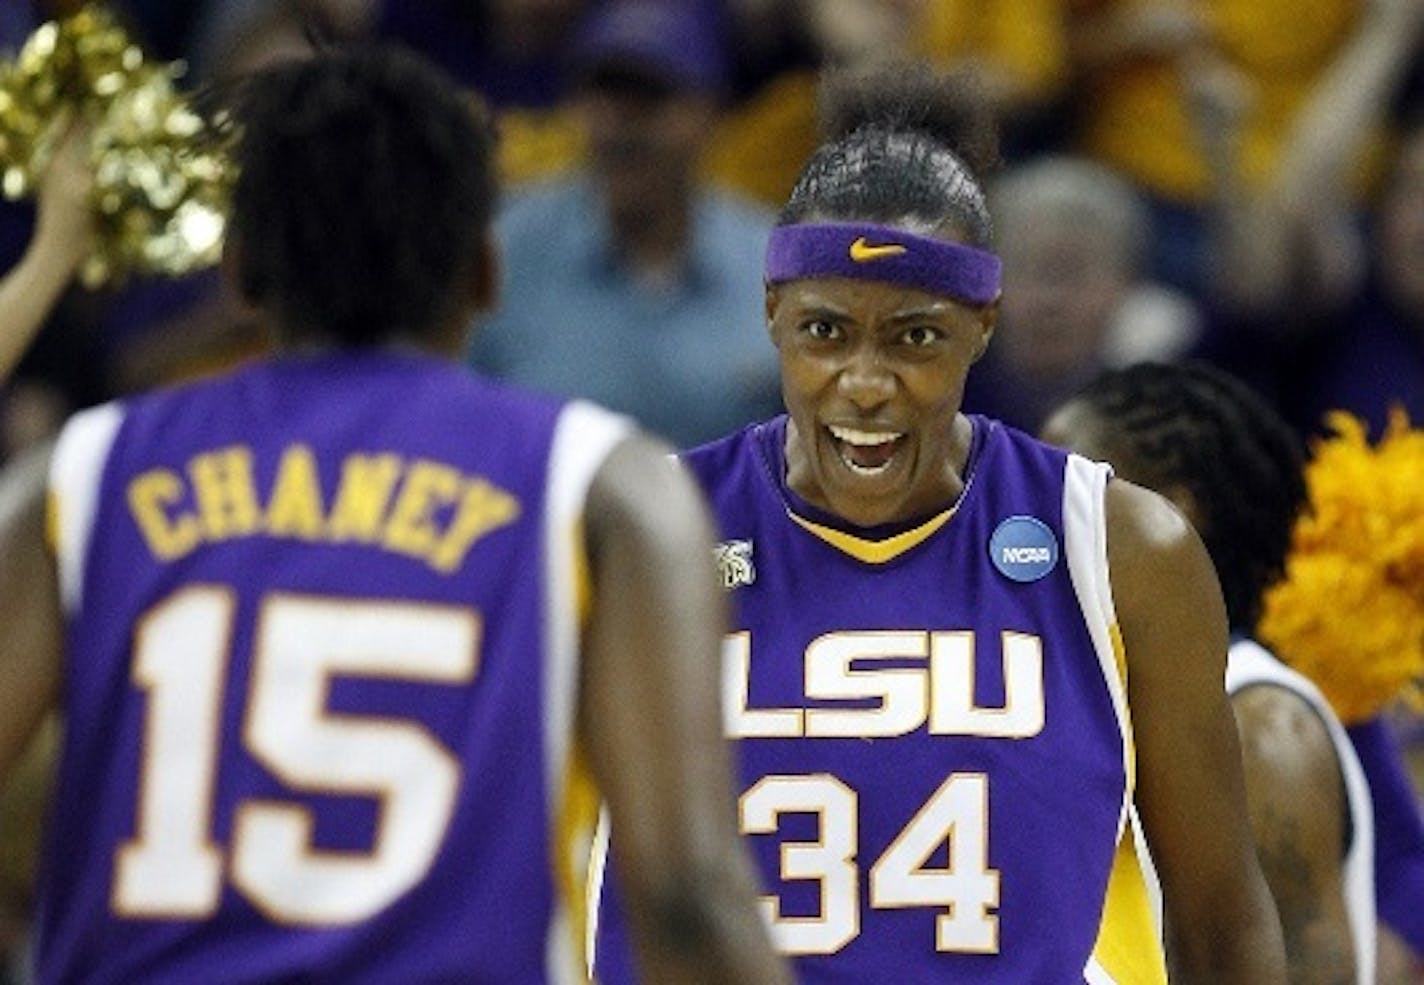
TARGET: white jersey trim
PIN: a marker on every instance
(75, 473)
(1094, 974)
(1085, 535)
(1249, 663)
(597, 874)
(1086, 548)
(584, 436)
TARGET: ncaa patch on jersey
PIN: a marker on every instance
(734, 563)
(1023, 548)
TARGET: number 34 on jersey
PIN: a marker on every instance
(891, 697)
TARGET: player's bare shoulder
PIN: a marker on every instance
(1143, 524)
(1165, 588)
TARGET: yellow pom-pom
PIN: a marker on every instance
(1349, 613)
(160, 196)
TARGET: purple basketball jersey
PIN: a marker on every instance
(321, 680)
(931, 725)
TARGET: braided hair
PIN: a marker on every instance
(1194, 426)
(903, 144)
(366, 184)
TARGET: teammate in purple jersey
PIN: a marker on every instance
(1234, 468)
(973, 677)
(333, 634)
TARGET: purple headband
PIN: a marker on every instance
(867, 251)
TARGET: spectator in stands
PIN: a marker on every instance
(648, 278)
(1074, 237)
(514, 53)
(1016, 51)
(1311, 294)
(1371, 355)
(1146, 67)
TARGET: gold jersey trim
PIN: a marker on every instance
(874, 551)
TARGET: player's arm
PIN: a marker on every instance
(31, 624)
(1295, 792)
(1221, 922)
(651, 720)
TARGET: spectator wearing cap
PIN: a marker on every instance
(646, 277)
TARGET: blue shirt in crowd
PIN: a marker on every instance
(690, 360)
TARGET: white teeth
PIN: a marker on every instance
(865, 438)
(862, 470)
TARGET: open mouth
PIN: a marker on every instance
(867, 453)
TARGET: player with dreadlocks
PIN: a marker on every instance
(1216, 449)
(969, 674)
(331, 632)
(1228, 461)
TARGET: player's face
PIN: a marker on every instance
(873, 376)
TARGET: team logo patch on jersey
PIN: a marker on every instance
(734, 562)
(1023, 548)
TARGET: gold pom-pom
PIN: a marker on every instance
(160, 194)
(1349, 613)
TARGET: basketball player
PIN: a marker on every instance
(1229, 462)
(317, 627)
(965, 665)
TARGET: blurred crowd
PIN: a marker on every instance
(1235, 180)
